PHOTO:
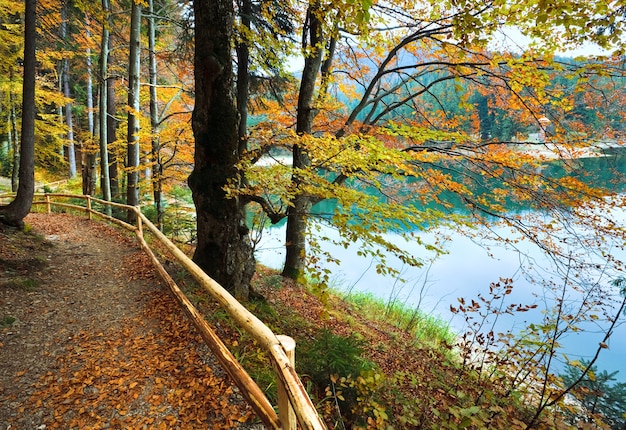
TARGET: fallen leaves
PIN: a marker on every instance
(120, 354)
(137, 376)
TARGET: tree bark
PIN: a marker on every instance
(89, 152)
(105, 182)
(243, 75)
(295, 236)
(111, 123)
(15, 140)
(132, 160)
(15, 212)
(223, 251)
(71, 151)
(155, 152)
(71, 154)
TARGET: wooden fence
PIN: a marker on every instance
(294, 405)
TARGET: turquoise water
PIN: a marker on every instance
(471, 265)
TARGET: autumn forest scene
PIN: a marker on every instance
(317, 214)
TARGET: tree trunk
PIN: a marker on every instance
(295, 236)
(15, 212)
(243, 75)
(132, 160)
(155, 153)
(89, 152)
(65, 77)
(223, 250)
(105, 182)
(71, 152)
(4, 151)
(111, 123)
(15, 139)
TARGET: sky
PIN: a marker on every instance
(512, 39)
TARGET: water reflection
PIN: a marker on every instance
(465, 271)
(472, 264)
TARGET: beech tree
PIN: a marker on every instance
(133, 153)
(223, 249)
(15, 212)
(11, 48)
(105, 183)
(157, 166)
(65, 85)
(388, 61)
(89, 159)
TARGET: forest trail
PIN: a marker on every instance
(89, 337)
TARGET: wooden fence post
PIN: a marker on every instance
(48, 204)
(89, 207)
(286, 413)
(138, 221)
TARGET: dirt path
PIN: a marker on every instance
(89, 338)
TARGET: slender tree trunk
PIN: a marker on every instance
(223, 250)
(295, 236)
(111, 123)
(4, 148)
(89, 152)
(15, 139)
(105, 183)
(155, 153)
(132, 157)
(65, 77)
(71, 151)
(15, 212)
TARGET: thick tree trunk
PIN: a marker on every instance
(295, 236)
(132, 157)
(223, 248)
(15, 212)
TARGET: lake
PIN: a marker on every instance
(468, 269)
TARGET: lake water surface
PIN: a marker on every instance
(466, 270)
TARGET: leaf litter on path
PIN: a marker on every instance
(98, 342)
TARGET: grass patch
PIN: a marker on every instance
(426, 328)
(7, 321)
(22, 283)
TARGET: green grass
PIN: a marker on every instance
(7, 321)
(426, 328)
(22, 283)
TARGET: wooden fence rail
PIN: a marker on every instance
(294, 405)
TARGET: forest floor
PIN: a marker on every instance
(89, 338)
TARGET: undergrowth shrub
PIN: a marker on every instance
(330, 354)
(362, 399)
(338, 370)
